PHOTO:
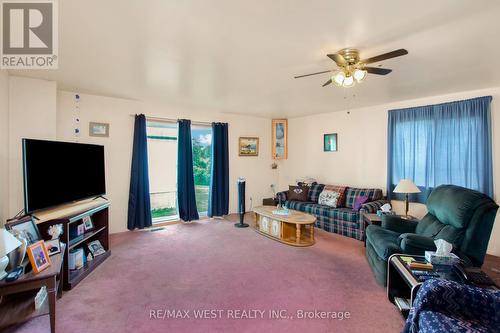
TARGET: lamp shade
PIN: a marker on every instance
(406, 186)
(8, 242)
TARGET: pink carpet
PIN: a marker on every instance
(215, 266)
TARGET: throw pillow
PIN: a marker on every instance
(341, 190)
(328, 198)
(359, 202)
(298, 193)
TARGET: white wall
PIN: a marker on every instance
(361, 159)
(118, 146)
(4, 149)
(32, 114)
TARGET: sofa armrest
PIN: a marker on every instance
(282, 196)
(397, 224)
(416, 244)
(372, 207)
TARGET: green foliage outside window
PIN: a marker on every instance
(201, 162)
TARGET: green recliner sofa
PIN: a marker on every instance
(458, 215)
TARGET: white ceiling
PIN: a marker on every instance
(240, 56)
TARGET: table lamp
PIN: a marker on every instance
(406, 186)
(8, 243)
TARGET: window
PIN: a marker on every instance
(447, 143)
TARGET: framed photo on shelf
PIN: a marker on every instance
(26, 227)
(330, 142)
(95, 247)
(248, 146)
(38, 256)
(87, 223)
(80, 229)
(280, 139)
(53, 246)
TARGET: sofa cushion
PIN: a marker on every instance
(306, 207)
(337, 214)
(353, 193)
(362, 199)
(299, 193)
(345, 214)
(384, 242)
(329, 198)
(314, 192)
(341, 190)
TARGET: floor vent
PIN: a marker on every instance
(156, 229)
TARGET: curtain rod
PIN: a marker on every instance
(173, 120)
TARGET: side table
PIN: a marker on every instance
(370, 218)
(403, 284)
(269, 202)
(31, 281)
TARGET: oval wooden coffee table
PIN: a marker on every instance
(296, 228)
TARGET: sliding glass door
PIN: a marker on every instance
(162, 158)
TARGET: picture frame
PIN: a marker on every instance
(280, 139)
(80, 229)
(38, 256)
(248, 146)
(96, 248)
(53, 246)
(87, 223)
(330, 143)
(27, 228)
(99, 129)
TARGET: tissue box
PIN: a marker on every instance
(450, 259)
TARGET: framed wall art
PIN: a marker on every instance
(280, 139)
(99, 129)
(330, 142)
(248, 146)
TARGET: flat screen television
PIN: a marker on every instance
(61, 172)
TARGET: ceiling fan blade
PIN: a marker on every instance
(297, 77)
(377, 70)
(327, 83)
(385, 56)
(339, 60)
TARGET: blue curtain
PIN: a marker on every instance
(218, 200)
(139, 206)
(447, 143)
(186, 200)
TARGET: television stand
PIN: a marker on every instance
(70, 216)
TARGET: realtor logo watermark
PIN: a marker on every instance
(29, 34)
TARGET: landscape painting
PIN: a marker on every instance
(249, 146)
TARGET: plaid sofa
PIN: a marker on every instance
(341, 220)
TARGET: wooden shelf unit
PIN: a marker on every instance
(98, 211)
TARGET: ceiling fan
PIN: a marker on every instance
(352, 69)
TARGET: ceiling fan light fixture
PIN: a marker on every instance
(338, 78)
(348, 81)
(359, 74)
